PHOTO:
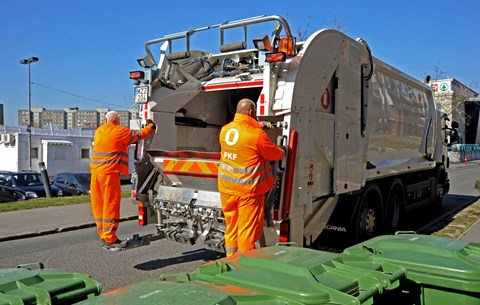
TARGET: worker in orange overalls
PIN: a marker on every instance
(244, 177)
(109, 160)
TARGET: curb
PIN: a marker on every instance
(56, 230)
(468, 230)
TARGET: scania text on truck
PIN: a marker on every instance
(364, 140)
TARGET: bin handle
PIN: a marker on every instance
(178, 277)
(397, 275)
(372, 250)
(287, 243)
(367, 294)
(29, 266)
(405, 232)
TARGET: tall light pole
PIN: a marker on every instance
(28, 61)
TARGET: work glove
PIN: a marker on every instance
(153, 124)
(267, 125)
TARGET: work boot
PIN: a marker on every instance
(117, 245)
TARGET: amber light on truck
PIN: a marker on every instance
(286, 45)
(137, 75)
(142, 214)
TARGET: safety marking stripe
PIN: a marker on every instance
(183, 166)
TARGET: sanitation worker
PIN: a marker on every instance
(244, 177)
(109, 160)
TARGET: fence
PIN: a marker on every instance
(463, 152)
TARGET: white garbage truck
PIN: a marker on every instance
(364, 140)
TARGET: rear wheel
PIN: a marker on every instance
(442, 187)
(368, 219)
(395, 207)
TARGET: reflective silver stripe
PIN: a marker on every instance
(132, 137)
(109, 162)
(109, 154)
(231, 250)
(248, 170)
(243, 180)
(106, 220)
(107, 229)
(110, 229)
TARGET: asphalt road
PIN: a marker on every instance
(80, 251)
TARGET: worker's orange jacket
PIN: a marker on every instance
(246, 152)
(110, 148)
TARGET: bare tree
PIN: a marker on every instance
(301, 32)
(337, 25)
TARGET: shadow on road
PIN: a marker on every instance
(190, 256)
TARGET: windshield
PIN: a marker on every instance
(25, 179)
(83, 179)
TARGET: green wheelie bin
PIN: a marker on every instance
(272, 275)
(440, 271)
(32, 284)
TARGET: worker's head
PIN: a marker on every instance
(246, 106)
(112, 117)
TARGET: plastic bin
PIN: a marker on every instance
(158, 292)
(273, 275)
(44, 286)
(301, 275)
(440, 271)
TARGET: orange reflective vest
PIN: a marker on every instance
(246, 152)
(110, 145)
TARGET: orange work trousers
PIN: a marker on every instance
(244, 220)
(105, 195)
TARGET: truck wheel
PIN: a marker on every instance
(441, 182)
(368, 220)
(395, 207)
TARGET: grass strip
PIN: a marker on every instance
(48, 202)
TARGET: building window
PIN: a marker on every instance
(34, 152)
(85, 153)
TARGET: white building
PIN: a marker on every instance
(64, 150)
(60, 150)
(450, 96)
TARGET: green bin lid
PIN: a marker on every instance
(304, 275)
(157, 292)
(432, 260)
(45, 286)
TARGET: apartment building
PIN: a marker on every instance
(72, 117)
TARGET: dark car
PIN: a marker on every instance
(9, 194)
(29, 182)
(73, 183)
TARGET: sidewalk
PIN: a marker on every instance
(35, 222)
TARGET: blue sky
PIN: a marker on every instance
(87, 48)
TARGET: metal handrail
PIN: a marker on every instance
(282, 24)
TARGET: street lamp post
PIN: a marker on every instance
(28, 61)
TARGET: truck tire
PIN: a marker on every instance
(395, 208)
(441, 181)
(368, 215)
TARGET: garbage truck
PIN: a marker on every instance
(363, 140)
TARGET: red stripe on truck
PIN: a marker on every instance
(233, 85)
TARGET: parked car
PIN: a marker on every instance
(29, 182)
(73, 183)
(9, 194)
